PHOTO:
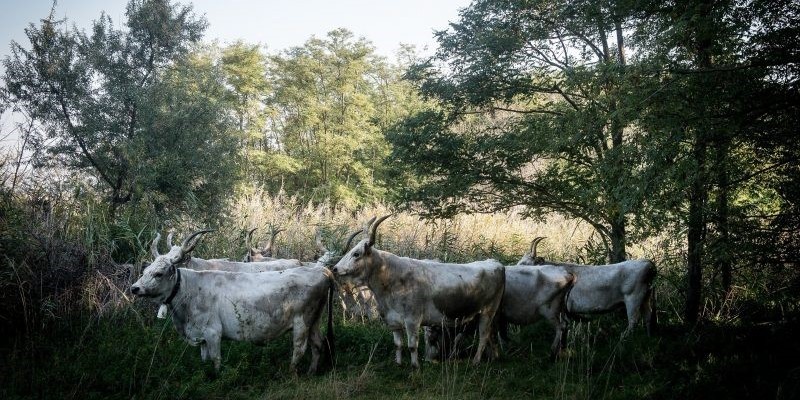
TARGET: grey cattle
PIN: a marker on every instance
(601, 288)
(412, 293)
(207, 306)
(534, 292)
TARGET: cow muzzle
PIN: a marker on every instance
(136, 290)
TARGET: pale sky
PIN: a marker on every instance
(277, 24)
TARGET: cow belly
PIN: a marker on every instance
(256, 325)
(586, 300)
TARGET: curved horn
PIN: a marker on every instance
(374, 229)
(248, 237)
(154, 245)
(272, 238)
(350, 240)
(318, 240)
(169, 238)
(368, 224)
(186, 247)
(534, 244)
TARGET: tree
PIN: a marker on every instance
(331, 99)
(245, 71)
(95, 92)
(721, 100)
(534, 111)
(188, 139)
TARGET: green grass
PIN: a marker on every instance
(120, 357)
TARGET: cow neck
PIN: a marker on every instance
(175, 288)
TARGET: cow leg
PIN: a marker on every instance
(485, 330)
(564, 331)
(203, 352)
(212, 345)
(316, 347)
(300, 341)
(558, 324)
(633, 305)
(484, 333)
(649, 307)
(412, 335)
(554, 313)
(397, 335)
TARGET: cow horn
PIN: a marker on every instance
(273, 233)
(154, 245)
(350, 240)
(169, 238)
(374, 229)
(535, 243)
(248, 237)
(186, 247)
(366, 227)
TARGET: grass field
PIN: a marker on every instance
(130, 354)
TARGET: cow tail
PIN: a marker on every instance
(329, 334)
(652, 321)
(570, 285)
(566, 316)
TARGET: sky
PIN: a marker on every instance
(276, 24)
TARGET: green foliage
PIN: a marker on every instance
(114, 100)
(534, 112)
(331, 99)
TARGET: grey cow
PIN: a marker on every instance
(207, 306)
(411, 293)
(601, 288)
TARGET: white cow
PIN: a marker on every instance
(411, 293)
(534, 292)
(207, 306)
(601, 288)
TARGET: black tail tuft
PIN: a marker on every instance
(329, 339)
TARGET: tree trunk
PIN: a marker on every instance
(618, 253)
(695, 234)
(703, 37)
(722, 221)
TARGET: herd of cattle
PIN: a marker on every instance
(262, 297)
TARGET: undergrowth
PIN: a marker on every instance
(131, 354)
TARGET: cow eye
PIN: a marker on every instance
(158, 274)
(356, 254)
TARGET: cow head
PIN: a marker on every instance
(530, 258)
(356, 264)
(158, 278)
(329, 258)
(255, 254)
